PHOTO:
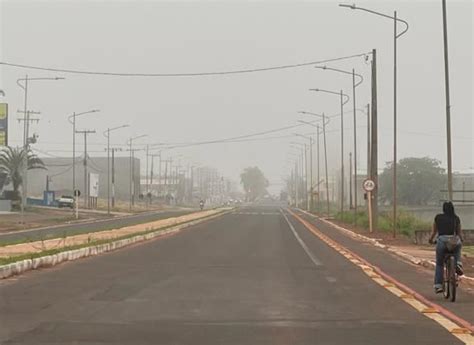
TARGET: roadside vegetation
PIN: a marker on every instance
(407, 222)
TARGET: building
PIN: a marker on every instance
(58, 176)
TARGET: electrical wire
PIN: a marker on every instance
(195, 74)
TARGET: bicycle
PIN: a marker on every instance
(450, 277)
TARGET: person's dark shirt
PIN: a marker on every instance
(447, 225)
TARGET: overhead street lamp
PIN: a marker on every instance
(296, 157)
(309, 204)
(107, 135)
(325, 122)
(26, 127)
(72, 120)
(132, 169)
(354, 86)
(343, 100)
(396, 35)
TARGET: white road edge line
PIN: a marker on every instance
(315, 261)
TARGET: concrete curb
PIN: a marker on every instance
(20, 267)
(373, 241)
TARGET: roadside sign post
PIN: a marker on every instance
(369, 186)
(77, 194)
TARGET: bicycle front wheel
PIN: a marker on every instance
(452, 278)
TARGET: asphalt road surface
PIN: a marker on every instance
(86, 227)
(242, 278)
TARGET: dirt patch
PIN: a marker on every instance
(42, 217)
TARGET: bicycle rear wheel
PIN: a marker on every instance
(446, 287)
(452, 278)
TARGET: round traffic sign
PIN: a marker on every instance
(368, 185)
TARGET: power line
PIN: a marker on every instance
(195, 74)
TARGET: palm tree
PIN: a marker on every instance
(12, 162)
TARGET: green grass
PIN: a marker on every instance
(9, 260)
(407, 223)
(468, 250)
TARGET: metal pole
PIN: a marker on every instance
(146, 176)
(326, 163)
(296, 182)
(133, 178)
(350, 180)
(394, 185)
(25, 145)
(130, 177)
(306, 176)
(159, 175)
(85, 170)
(74, 156)
(368, 140)
(342, 154)
(318, 176)
(113, 177)
(355, 145)
(448, 103)
(108, 171)
(311, 206)
(374, 141)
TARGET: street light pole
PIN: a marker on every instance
(132, 170)
(325, 122)
(448, 103)
(73, 122)
(355, 84)
(86, 187)
(396, 35)
(342, 103)
(107, 135)
(24, 189)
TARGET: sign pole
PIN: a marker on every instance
(369, 187)
(369, 196)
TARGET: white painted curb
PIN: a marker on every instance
(408, 257)
(17, 268)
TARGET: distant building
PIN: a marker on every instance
(58, 176)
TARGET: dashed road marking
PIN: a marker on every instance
(464, 334)
(245, 213)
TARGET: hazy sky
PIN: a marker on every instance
(202, 36)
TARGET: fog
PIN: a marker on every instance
(202, 36)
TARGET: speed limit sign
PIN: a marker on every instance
(368, 185)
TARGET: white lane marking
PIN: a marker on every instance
(256, 213)
(315, 261)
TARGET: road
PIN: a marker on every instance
(243, 278)
(86, 227)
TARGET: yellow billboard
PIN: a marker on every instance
(3, 124)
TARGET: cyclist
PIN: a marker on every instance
(201, 204)
(446, 225)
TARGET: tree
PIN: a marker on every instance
(419, 181)
(12, 162)
(254, 182)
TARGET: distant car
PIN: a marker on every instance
(66, 201)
